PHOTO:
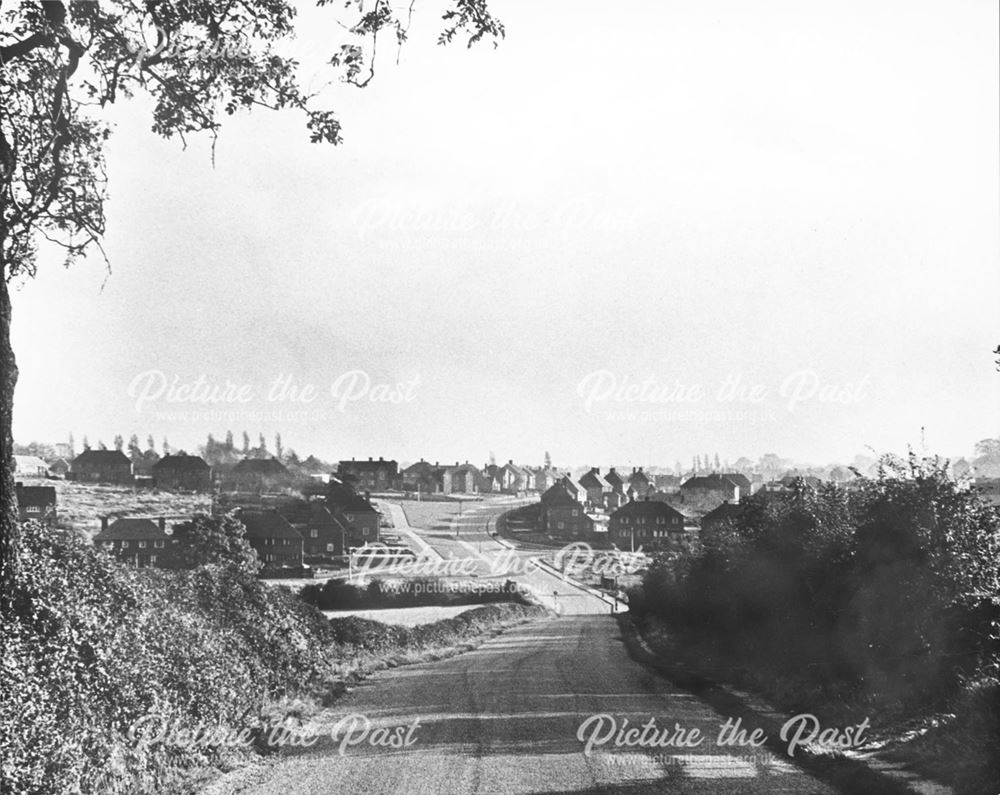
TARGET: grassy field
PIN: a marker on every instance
(434, 515)
(404, 616)
(81, 505)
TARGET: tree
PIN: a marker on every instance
(166, 446)
(246, 443)
(119, 442)
(548, 460)
(278, 450)
(86, 443)
(150, 444)
(229, 442)
(64, 63)
(209, 540)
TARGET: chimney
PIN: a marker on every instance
(510, 461)
(369, 458)
(163, 524)
(380, 458)
(104, 523)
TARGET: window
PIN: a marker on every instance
(34, 509)
(364, 531)
(576, 512)
(152, 560)
(561, 525)
(124, 544)
(329, 548)
(142, 545)
(314, 533)
(284, 542)
(676, 520)
(158, 544)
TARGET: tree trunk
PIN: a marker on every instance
(8, 502)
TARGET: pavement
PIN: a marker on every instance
(506, 718)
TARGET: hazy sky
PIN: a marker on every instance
(801, 198)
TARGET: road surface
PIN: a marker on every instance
(504, 718)
(468, 536)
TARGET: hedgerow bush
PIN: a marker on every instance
(92, 646)
(888, 592)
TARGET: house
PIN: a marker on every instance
(670, 484)
(179, 471)
(30, 466)
(489, 480)
(36, 503)
(646, 523)
(139, 542)
(278, 545)
(555, 492)
(707, 492)
(101, 466)
(59, 468)
(722, 516)
(563, 516)
(258, 474)
(741, 480)
(513, 478)
(422, 477)
(325, 536)
(575, 488)
(460, 479)
(545, 478)
(370, 475)
(597, 487)
(639, 484)
(615, 481)
(354, 511)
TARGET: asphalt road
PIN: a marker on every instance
(505, 717)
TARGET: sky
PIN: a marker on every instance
(629, 234)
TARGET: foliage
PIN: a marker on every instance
(891, 589)
(62, 63)
(216, 540)
(92, 646)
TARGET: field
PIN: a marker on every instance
(434, 515)
(404, 616)
(81, 505)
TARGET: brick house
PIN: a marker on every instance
(423, 477)
(545, 478)
(707, 492)
(180, 471)
(722, 516)
(101, 466)
(139, 542)
(354, 511)
(563, 516)
(460, 479)
(278, 545)
(258, 474)
(646, 523)
(513, 478)
(370, 475)
(325, 536)
(639, 484)
(36, 503)
(598, 488)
